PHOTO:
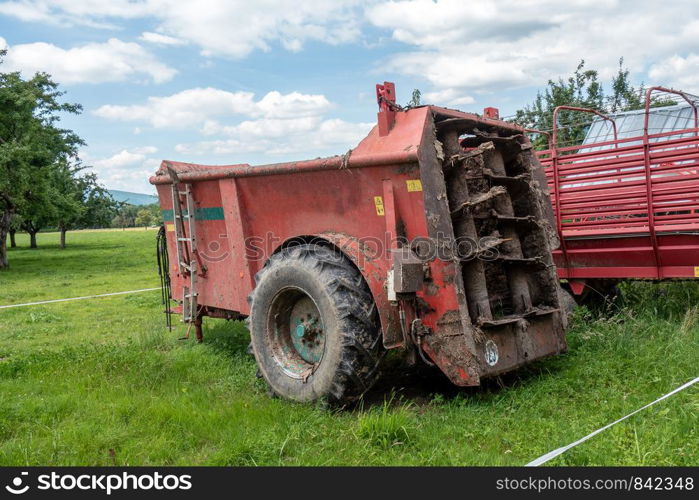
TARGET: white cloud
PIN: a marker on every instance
(446, 97)
(300, 136)
(151, 164)
(237, 123)
(461, 47)
(200, 106)
(182, 110)
(112, 61)
(236, 28)
(26, 11)
(231, 28)
(677, 71)
(159, 39)
(294, 104)
(74, 12)
(128, 169)
(121, 159)
(145, 150)
(134, 180)
(488, 46)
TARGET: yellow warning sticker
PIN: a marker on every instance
(378, 201)
(169, 227)
(414, 185)
(696, 271)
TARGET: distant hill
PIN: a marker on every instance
(133, 198)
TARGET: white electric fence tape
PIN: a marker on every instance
(79, 298)
(559, 451)
(539, 461)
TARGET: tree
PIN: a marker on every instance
(125, 216)
(67, 204)
(80, 202)
(625, 96)
(31, 145)
(119, 220)
(99, 205)
(415, 98)
(583, 90)
(15, 225)
(32, 226)
(54, 199)
(144, 218)
(156, 214)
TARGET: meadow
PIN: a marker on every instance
(102, 382)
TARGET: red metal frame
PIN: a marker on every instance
(581, 110)
(556, 177)
(541, 132)
(627, 208)
(386, 99)
(392, 185)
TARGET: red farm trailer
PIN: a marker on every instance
(409, 241)
(627, 206)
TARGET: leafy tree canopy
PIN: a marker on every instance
(582, 89)
(40, 173)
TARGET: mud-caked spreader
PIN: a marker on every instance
(433, 235)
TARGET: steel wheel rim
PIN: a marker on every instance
(296, 333)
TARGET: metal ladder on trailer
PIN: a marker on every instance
(186, 245)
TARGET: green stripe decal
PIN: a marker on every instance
(208, 213)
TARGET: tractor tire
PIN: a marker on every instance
(314, 326)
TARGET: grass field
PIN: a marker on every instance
(101, 382)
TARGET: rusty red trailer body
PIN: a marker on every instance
(627, 208)
(478, 315)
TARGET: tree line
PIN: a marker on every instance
(43, 182)
(582, 89)
(123, 215)
(137, 216)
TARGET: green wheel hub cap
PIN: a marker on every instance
(306, 329)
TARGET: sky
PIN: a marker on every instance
(228, 81)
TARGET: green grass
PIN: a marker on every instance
(101, 382)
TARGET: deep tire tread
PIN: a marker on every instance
(362, 348)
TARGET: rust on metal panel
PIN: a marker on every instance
(510, 286)
(449, 352)
(374, 269)
(187, 173)
(401, 203)
(408, 273)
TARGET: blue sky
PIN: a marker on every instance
(224, 82)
